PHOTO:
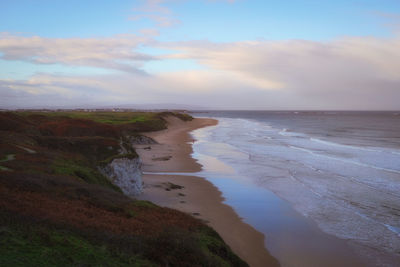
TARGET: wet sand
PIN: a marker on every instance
(198, 196)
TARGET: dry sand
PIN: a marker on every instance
(198, 196)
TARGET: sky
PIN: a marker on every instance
(215, 54)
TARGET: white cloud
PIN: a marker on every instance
(159, 12)
(115, 52)
(149, 32)
(358, 73)
(349, 73)
(156, 11)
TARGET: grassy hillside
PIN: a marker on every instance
(57, 209)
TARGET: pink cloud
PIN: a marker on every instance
(348, 73)
(115, 52)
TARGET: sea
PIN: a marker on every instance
(322, 186)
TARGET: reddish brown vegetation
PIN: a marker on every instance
(93, 148)
(77, 128)
(13, 122)
(83, 215)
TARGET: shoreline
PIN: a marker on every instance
(192, 194)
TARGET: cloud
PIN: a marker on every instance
(156, 11)
(389, 20)
(203, 88)
(115, 52)
(347, 73)
(150, 32)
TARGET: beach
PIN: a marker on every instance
(192, 194)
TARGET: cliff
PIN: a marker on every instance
(58, 209)
(125, 172)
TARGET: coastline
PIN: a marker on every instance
(195, 195)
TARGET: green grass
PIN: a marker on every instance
(144, 204)
(43, 245)
(103, 117)
(8, 158)
(46, 247)
(182, 116)
(215, 248)
(82, 172)
(2, 168)
(128, 122)
(145, 121)
(5, 159)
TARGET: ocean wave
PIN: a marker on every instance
(318, 177)
(346, 160)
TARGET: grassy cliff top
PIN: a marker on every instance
(56, 209)
(117, 117)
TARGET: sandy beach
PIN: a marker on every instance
(195, 195)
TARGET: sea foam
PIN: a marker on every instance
(350, 191)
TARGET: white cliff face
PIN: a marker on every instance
(126, 174)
